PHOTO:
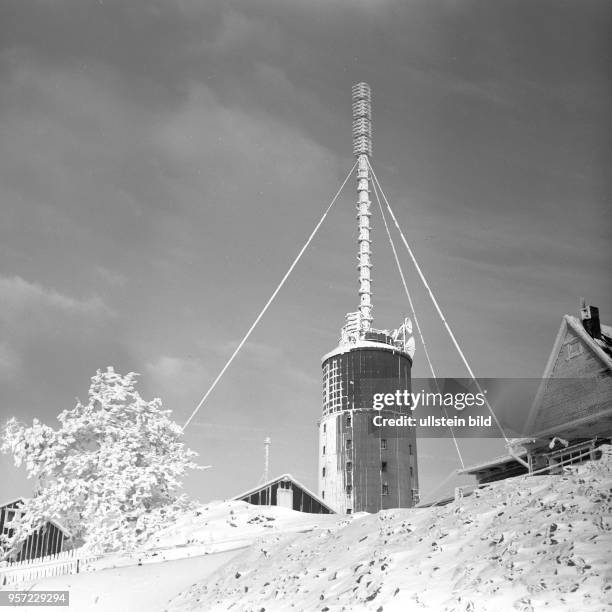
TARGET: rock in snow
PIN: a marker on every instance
(525, 544)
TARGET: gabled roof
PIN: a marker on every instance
(599, 349)
(53, 521)
(295, 481)
(595, 346)
(11, 501)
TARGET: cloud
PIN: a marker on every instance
(10, 363)
(46, 333)
(174, 375)
(169, 157)
(111, 277)
(20, 297)
(259, 355)
(258, 351)
(237, 32)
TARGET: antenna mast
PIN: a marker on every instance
(362, 149)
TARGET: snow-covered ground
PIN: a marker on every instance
(219, 525)
(145, 588)
(181, 555)
(527, 544)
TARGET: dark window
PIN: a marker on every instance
(383, 444)
(324, 449)
(322, 494)
(411, 472)
(410, 448)
(324, 427)
(349, 444)
(385, 489)
(349, 466)
(323, 472)
(349, 489)
(383, 466)
(349, 421)
(349, 511)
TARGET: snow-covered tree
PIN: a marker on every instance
(110, 473)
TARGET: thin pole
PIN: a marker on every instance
(267, 443)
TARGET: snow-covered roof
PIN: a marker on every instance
(11, 501)
(295, 481)
(598, 347)
(492, 463)
(346, 348)
(52, 521)
(61, 527)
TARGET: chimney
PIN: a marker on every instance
(589, 315)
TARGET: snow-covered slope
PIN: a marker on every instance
(187, 551)
(527, 544)
(229, 524)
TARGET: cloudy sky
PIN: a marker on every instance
(162, 162)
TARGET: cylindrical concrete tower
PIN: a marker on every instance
(363, 467)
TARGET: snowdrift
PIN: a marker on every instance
(225, 525)
(199, 543)
(526, 544)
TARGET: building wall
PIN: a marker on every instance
(301, 500)
(7, 513)
(568, 402)
(47, 540)
(362, 469)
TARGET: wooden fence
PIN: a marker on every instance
(67, 562)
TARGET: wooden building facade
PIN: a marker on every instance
(49, 539)
(571, 415)
(287, 492)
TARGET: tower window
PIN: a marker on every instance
(349, 421)
(324, 427)
(349, 466)
(349, 444)
(324, 449)
(322, 494)
(411, 472)
(383, 444)
(385, 489)
(383, 466)
(349, 489)
(410, 448)
(323, 472)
